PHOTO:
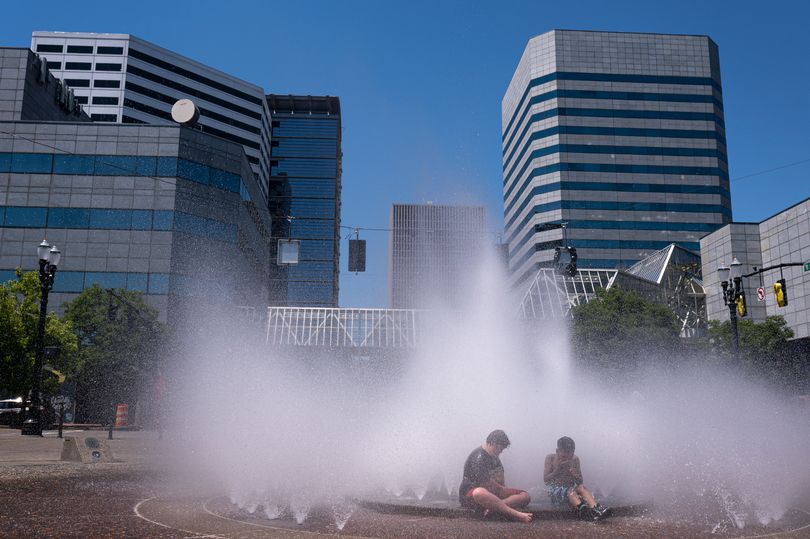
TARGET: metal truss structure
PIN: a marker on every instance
(552, 295)
(343, 328)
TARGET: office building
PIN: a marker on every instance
(305, 185)
(783, 238)
(165, 210)
(619, 135)
(122, 78)
(434, 255)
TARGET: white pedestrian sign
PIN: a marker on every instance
(761, 294)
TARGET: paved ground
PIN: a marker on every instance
(136, 497)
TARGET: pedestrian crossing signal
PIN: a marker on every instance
(780, 290)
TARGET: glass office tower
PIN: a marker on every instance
(621, 136)
(305, 180)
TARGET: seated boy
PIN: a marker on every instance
(482, 487)
(563, 478)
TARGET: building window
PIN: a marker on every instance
(54, 65)
(78, 83)
(78, 66)
(103, 83)
(107, 67)
(43, 47)
(81, 99)
(104, 117)
(109, 50)
(80, 49)
(103, 100)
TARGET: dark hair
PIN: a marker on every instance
(499, 438)
(566, 444)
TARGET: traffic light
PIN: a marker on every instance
(780, 289)
(741, 309)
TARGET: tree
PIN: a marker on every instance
(120, 340)
(619, 328)
(19, 317)
(764, 347)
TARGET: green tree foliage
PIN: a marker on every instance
(19, 317)
(120, 341)
(619, 328)
(764, 347)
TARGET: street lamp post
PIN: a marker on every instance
(48, 260)
(731, 282)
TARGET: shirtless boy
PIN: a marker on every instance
(482, 487)
(563, 478)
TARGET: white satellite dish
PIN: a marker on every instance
(185, 112)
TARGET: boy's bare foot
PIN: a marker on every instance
(524, 517)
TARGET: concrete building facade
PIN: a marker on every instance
(780, 239)
(434, 253)
(122, 78)
(620, 135)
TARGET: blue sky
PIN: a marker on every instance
(421, 83)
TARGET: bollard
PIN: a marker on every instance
(61, 418)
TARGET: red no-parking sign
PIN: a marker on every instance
(761, 294)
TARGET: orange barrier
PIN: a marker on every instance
(121, 415)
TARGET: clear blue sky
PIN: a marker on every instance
(421, 82)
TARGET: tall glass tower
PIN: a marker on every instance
(305, 181)
(619, 135)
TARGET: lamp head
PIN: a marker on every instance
(723, 272)
(54, 256)
(736, 268)
(43, 249)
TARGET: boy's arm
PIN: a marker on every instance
(549, 473)
(576, 471)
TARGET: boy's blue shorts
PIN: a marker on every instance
(558, 495)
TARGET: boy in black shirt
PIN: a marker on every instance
(482, 487)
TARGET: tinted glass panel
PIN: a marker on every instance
(43, 47)
(73, 164)
(78, 83)
(79, 66)
(80, 49)
(5, 162)
(225, 180)
(103, 83)
(103, 117)
(109, 50)
(141, 219)
(17, 216)
(69, 281)
(105, 279)
(81, 99)
(167, 166)
(113, 219)
(54, 65)
(32, 162)
(162, 220)
(105, 100)
(193, 171)
(138, 281)
(158, 283)
(68, 217)
(116, 165)
(100, 66)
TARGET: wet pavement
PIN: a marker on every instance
(136, 497)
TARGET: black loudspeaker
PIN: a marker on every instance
(357, 255)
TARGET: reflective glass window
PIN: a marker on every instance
(112, 219)
(167, 166)
(141, 219)
(145, 166)
(162, 219)
(5, 162)
(105, 279)
(25, 217)
(54, 65)
(109, 50)
(193, 171)
(103, 66)
(7, 275)
(116, 165)
(78, 83)
(225, 180)
(104, 117)
(69, 281)
(32, 162)
(312, 228)
(80, 49)
(158, 283)
(317, 250)
(73, 164)
(78, 66)
(312, 207)
(106, 83)
(138, 281)
(68, 217)
(105, 100)
(46, 47)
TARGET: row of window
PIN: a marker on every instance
(322, 168)
(194, 76)
(88, 66)
(166, 115)
(116, 219)
(610, 77)
(119, 165)
(142, 90)
(76, 281)
(619, 113)
(98, 83)
(659, 207)
(613, 187)
(192, 92)
(79, 49)
(291, 147)
(305, 126)
(302, 187)
(617, 150)
(614, 132)
(613, 168)
(104, 117)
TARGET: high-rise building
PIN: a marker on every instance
(122, 78)
(305, 183)
(619, 135)
(165, 210)
(433, 254)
